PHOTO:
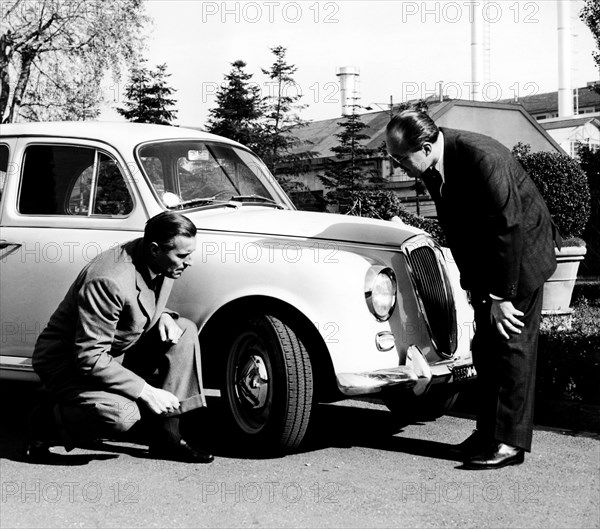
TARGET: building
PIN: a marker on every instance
(545, 106)
(508, 123)
(568, 132)
(583, 126)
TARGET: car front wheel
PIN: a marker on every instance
(268, 383)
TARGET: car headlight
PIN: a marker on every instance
(380, 292)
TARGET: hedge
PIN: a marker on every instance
(569, 361)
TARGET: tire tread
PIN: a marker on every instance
(298, 366)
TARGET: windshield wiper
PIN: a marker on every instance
(204, 200)
(257, 198)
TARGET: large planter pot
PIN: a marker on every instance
(558, 289)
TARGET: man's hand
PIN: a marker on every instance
(168, 329)
(158, 400)
(505, 316)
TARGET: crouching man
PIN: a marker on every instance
(112, 352)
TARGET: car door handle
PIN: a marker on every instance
(5, 244)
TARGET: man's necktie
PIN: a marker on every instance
(434, 182)
(155, 285)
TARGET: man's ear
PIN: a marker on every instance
(427, 148)
(153, 249)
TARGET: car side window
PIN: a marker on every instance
(112, 195)
(3, 167)
(69, 180)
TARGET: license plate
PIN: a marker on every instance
(461, 373)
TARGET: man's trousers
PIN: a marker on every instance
(84, 412)
(506, 372)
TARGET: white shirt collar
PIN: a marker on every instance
(440, 163)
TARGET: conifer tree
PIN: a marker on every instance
(346, 175)
(148, 97)
(239, 108)
(281, 118)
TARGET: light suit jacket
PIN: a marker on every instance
(106, 310)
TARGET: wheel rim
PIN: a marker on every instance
(252, 382)
(249, 382)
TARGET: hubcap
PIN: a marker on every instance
(253, 382)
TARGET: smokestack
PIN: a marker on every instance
(476, 53)
(565, 92)
(350, 93)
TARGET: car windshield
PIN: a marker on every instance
(192, 173)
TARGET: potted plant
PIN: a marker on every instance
(565, 189)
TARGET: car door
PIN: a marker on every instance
(64, 203)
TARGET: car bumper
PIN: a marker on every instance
(416, 374)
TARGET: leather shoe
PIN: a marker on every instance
(473, 445)
(501, 455)
(38, 452)
(180, 451)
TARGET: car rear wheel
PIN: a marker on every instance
(268, 384)
(408, 407)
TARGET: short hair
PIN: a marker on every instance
(165, 226)
(416, 128)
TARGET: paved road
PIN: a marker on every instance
(360, 469)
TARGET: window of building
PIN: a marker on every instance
(70, 180)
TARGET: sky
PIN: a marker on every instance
(402, 49)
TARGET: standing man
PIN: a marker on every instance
(501, 236)
(111, 334)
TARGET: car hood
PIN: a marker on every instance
(303, 224)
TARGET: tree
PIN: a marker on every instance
(346, 174)
(239, 107)
(278, 142)
(54, 55)
(281, 118)
(590, 15)
(148, 97)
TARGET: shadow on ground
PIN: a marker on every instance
(332, 426)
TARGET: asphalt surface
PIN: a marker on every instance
(359, 468)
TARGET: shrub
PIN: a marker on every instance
(375, 204)
(385, 205)
(569, 361)
(431, 226)
(590, 163)
(562, 184)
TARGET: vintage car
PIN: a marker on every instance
(293, 307)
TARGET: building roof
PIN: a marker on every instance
(567, 122)
(548, 102)
(319, 136)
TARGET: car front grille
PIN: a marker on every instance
(435, 296)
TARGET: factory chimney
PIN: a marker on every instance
(349, 88)
(476, 54)
(565, 92)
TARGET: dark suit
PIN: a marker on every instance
(501, 236)
(102, 343)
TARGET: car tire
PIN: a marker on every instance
(268, 384)
(408, 407)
